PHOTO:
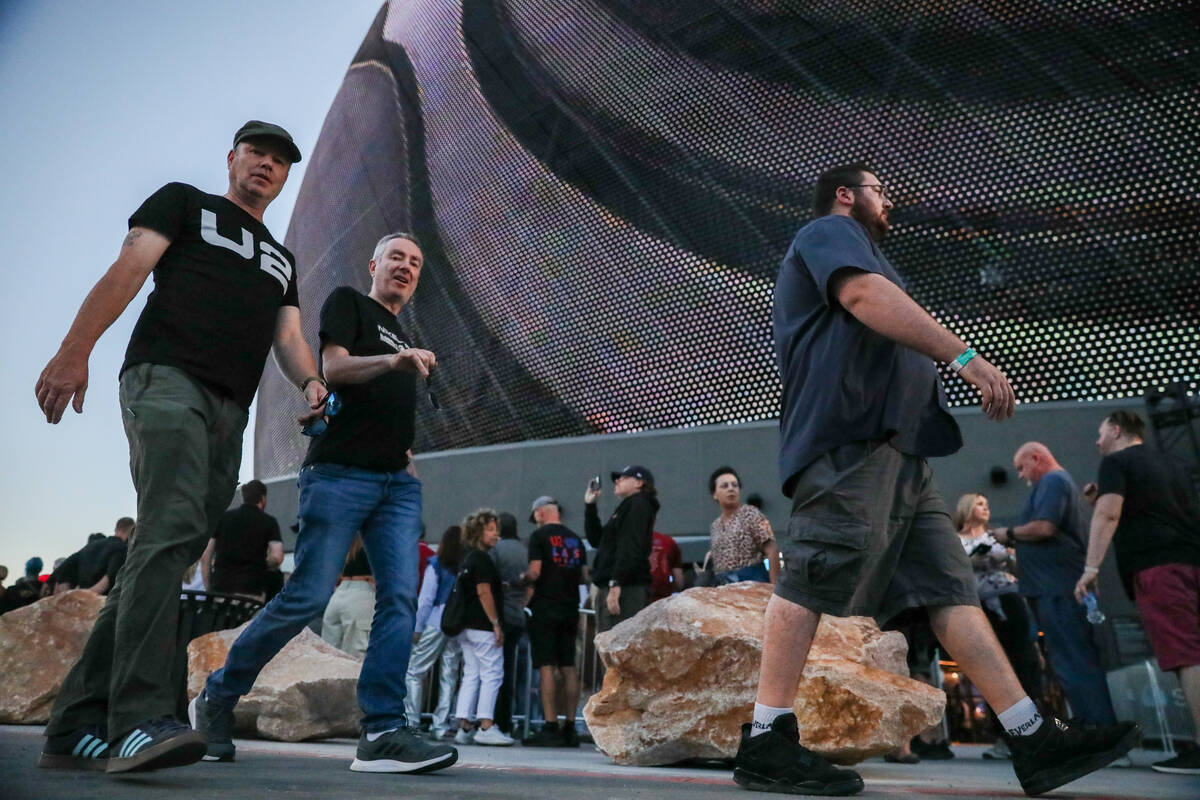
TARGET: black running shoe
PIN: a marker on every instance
(1057, 753)
(402, 750)
(548, 736)
(155, 744)
(931, 751)
(82, 748)
(775, 761)
(216, 724)
(1187, 763)
(570, 735)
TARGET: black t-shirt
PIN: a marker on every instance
(478, 568)
(1160, 520)
(240, 557)
(842, 381)
(85, 567)
(217, 292)
(374, 428)
(563, 557)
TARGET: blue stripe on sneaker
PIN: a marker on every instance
(84, 741)
(95, 749)
(134, 742)
(87, 751)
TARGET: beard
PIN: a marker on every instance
(875, 222)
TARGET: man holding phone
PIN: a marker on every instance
(623, 544)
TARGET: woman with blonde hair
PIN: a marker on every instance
(483, 639)
(1006, 610)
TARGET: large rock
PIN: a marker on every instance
(38, 646)
(682, 677)
(307, 691)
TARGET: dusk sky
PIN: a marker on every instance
(102, 104)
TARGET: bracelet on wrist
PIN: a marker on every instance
(957, 364)
(1091, 570)
(304, 383)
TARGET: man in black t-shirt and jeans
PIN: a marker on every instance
(224, 296)
(245, 545)
(1146, 506)
(557, 567)
(357, 477)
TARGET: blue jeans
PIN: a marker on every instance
(750, 572)
(1074, 658)
(337, 502)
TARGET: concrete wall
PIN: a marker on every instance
(509, 477)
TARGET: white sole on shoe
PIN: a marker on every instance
(391, 765)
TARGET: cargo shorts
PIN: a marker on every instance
(869, 535)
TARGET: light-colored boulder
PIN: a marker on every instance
(38, 646)
(307, 691)
(682, 675)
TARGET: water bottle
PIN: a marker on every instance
(333, 404)
(1094, 614)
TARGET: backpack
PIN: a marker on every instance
(454, 615)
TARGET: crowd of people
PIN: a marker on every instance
(862, 410)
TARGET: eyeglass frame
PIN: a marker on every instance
(879, 188)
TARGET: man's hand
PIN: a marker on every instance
(315, 394)
(1090, 492)
(1084, 585)
(498, 630)
(64, 378)
(414, 360)
(614, 601)
(590, 495)
(999, 401)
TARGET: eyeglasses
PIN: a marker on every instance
(880, 189)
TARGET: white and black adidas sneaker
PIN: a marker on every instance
(83, 748)
(155, 744)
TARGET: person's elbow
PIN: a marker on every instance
(852, 289)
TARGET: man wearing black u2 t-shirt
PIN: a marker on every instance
(357, 477)
(869, 534)
(224, 295)
(557, 566)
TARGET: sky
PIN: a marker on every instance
(101, 104)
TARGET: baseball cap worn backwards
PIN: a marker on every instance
(544, 500)
(634, 471)
(256, 127)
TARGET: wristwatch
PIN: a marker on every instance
(613, 585)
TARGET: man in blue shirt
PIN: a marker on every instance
(863, 408)
(1051, 542)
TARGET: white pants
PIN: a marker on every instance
(433, 643)
(483, 672)
(347, 621)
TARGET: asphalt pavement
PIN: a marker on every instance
(269, 770)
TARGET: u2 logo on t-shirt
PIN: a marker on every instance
(271, 261)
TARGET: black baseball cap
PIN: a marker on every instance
(258, 128)
(634, 471)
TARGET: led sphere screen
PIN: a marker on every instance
(604, 189)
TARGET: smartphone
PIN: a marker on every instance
(594, 484)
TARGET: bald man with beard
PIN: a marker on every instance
(1051, 542)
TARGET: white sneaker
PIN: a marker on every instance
(1122, 763)
(437, 733)
(464, 737)
(493, 736)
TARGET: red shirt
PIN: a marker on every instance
(426, 553)
(664, 556)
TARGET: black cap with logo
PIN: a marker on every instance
(256, 127)
(634, 471)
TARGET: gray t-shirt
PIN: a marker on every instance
(842, 381)
(512, 559)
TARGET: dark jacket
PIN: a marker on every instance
(623, 545)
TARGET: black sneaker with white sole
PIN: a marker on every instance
(156, 744)
(775, 761)
(402, 750)
(1058, 753)
(82, 748)
(216, 723)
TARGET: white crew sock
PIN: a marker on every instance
(1021, 719)
(764, 716)
(376, 734)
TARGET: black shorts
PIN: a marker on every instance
(552, 638)
(870, 536)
